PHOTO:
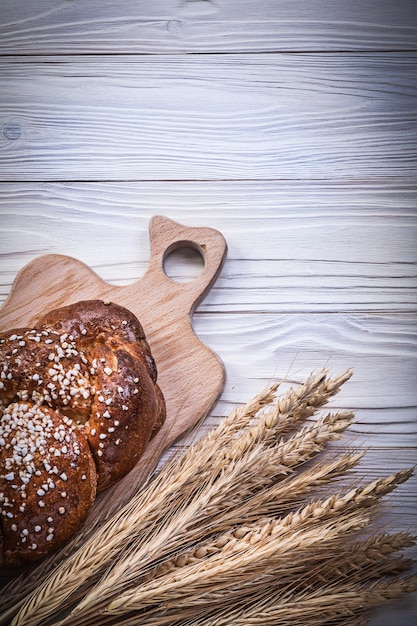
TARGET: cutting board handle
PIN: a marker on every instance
(167, 236)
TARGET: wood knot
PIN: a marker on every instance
(12, 130)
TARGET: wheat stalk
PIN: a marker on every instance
(281, 533)
(196, 457)
(173, 485)
(323, 605)
(237, 481)
(330, 605)
(248, 548)
(316, 390)
(227, 522)
(274, 500)
(289, 602)
(233, 566)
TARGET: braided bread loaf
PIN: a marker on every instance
(78, 404)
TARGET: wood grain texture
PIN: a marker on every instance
(293, 246)
(381, 349)
(208, 117)
(288, 125)
(161, 26)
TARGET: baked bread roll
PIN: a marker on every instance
(79, 402)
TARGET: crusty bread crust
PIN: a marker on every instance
(48, 481)
(84, 381)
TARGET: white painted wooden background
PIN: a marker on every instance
(290, 126)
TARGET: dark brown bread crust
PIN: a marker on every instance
(49, 481)
(125, 402)
(87, 367)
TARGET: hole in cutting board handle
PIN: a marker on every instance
(183, 261)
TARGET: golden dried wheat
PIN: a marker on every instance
(229, 534)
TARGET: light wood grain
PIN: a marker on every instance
(380, 348)
(161, 26)
(299, 247)
(214, 117)
(288, 125)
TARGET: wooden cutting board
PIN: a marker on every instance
(190, 375)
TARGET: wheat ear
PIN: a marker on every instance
(331, 508)
(221, 493)
(324, 605)
(196, 458)
(277, 499)
(220, 490)
(253, 462)
(20, 588)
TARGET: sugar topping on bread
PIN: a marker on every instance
(78, 404)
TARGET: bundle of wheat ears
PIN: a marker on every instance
(255, 524)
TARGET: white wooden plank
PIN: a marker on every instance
(209, 117)
(381, 348)
(85, 220)
(293, 246)
(161, 26)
